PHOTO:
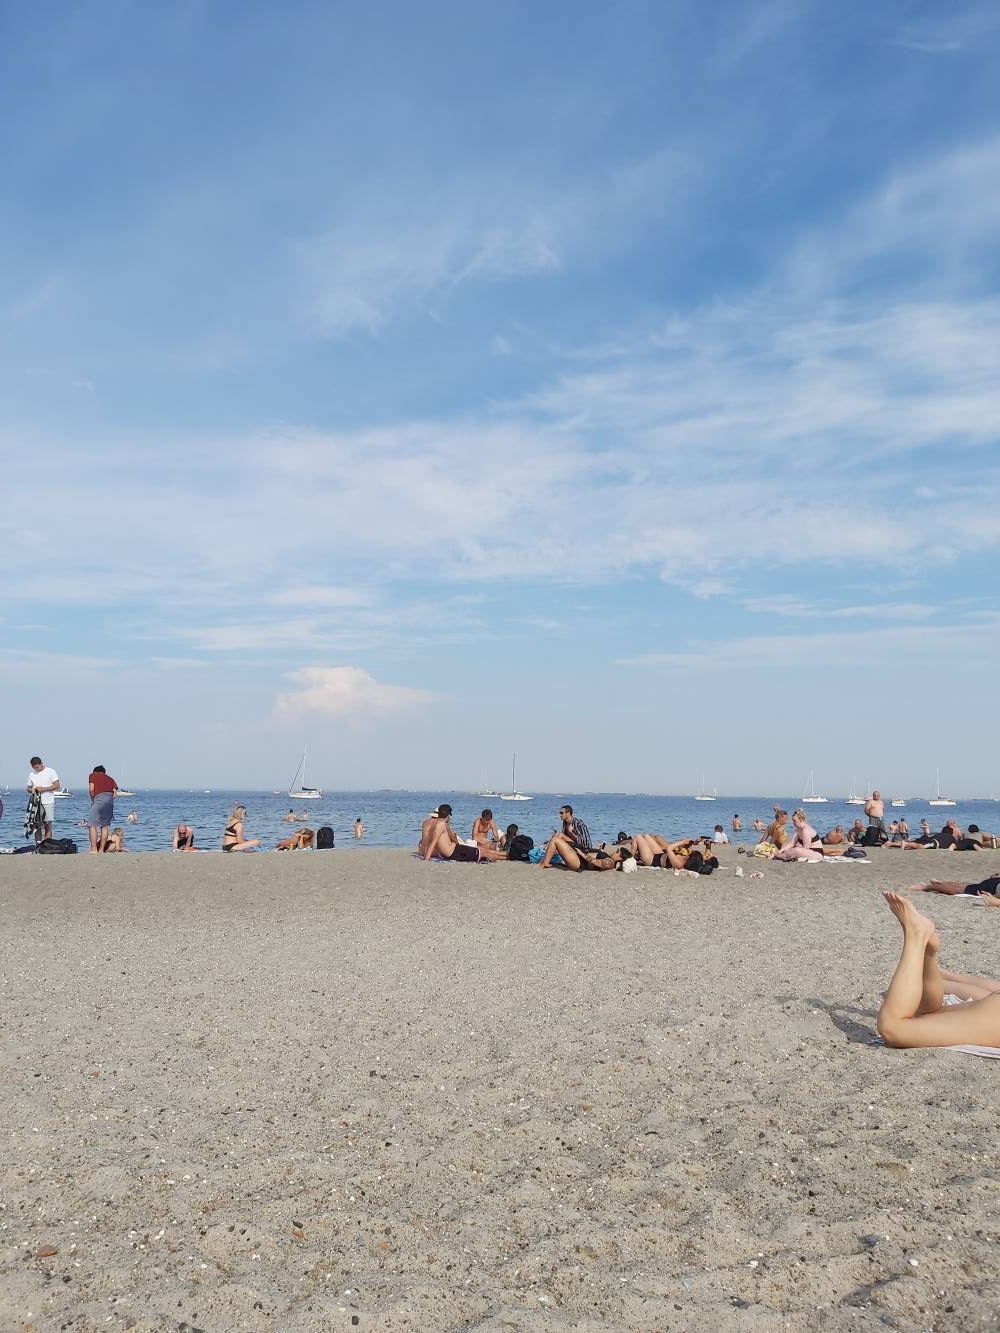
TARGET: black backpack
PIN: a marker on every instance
(324, 838)
(520, 846)
(57, 847)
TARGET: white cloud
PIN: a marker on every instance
(897, 650)
(344, 692)
(790, 606)
(394, 250)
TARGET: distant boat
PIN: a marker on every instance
(702, 794)
(897, 803)
(854, 798)
(62, 795)
(486, 786)
(303, 793)
(124, 791)
(938, 799)
(809, 796)
(514, 794)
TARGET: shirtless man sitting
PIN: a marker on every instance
(835, 838)
(439, 839)
(484, 829)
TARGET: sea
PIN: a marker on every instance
(393, 818)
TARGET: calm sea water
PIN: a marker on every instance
(393, 818)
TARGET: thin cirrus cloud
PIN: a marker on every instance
(344, 692)
(366, 270)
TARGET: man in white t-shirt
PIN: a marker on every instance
(46, 782)
(719, 836)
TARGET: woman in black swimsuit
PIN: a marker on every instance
(233, 839)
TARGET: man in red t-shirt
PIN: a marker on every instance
(101, 815)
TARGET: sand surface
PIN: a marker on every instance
(352, 1090)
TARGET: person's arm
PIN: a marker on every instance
(176, 841)
(90, 789)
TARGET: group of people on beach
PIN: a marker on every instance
(570, 847)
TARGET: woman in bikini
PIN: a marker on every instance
(805, 844)
(927, 1006)
(233, 840)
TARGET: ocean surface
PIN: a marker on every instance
(393, 818)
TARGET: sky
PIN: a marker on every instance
(616, 385)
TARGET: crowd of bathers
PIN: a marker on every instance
(570, 847)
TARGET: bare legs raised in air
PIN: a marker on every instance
(913, 1013)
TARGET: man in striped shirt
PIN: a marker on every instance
(574, 834)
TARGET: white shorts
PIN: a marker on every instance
(48, 810)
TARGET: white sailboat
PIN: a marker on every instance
(854, 798)
(897, 804)
(303, 793)
(938, 798)
(702, 794)
(514, 794)
(809, 796)
(486, 785)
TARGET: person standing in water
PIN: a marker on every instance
(359, 828)
(737, 824)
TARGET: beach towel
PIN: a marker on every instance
(988, 1052)
(34, 816)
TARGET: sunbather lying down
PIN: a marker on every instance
(915, 1012)
(987, 889)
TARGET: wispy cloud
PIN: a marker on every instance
(344, 692)
(895, 650)
(392, 252)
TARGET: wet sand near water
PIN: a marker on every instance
(322, 1092)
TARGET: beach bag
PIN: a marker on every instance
(57, 847)
(520, 846)
(855, 854)
(324, 838)
(765, 849)
(536, 855)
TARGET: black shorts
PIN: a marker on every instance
(991, 885)
(463, 853)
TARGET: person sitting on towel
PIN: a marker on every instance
(805, 843)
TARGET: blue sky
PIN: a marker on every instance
(616, 384)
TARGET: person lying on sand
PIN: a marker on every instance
(914, 1012)
(591, 858)
(987, 889)
(688, 854)
(301, 840)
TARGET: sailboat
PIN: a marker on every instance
(303, 793)
(514, 794)
(898, 803)
(809, 796)
(486, 785)
(854, 798)
(938, 798)
(702, 794)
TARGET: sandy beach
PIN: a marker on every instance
(353, 1090)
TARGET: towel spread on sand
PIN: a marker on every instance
(989, 1052)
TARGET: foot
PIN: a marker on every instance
(990, 899)
(912, 921)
